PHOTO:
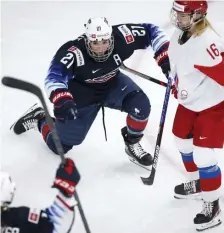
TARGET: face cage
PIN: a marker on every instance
(174, 20)
(194, 18)
(100, 58)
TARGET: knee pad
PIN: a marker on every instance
(204, 157)
(53, 148)
(184, 145)
(44, 129)
(137, 104)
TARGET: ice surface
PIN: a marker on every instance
(112, 194)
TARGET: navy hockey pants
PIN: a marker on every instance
(125, 96)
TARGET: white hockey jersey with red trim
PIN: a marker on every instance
(198, 68)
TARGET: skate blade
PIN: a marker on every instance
(195, 196)
(205, 226)
(148, 168)
(30, 109)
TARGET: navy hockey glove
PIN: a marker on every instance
(64, 105)
(162, 59)
(67, 177)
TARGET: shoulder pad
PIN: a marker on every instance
(78, 53)
(34, 215)
(66, 54)
(126, 32)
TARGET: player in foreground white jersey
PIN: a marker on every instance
(197, 54)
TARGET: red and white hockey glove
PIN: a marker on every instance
(64, 105)
(162, 59)
(67, 177)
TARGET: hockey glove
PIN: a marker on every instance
(67, 177)
(64, 105)
(162, 59)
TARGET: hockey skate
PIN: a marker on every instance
(188, 190)
(135, 151)
(209, 216)
(29, 120)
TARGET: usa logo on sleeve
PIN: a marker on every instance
(34, 215)
(126, 32)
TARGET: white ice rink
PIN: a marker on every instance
(112, 194)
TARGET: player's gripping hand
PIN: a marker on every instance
(64, 105)
(162, 59)
(67, 177)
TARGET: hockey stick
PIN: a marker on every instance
(26, 86)
(123, 67)
(149, 180)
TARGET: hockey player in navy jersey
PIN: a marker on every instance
(59, 217)
(84, 76)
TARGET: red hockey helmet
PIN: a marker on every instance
(185, 13)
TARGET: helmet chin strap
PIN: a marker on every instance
(194, 23)
(186, 28)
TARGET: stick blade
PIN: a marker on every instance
(147, 180)
(22, 85)
(9, 81)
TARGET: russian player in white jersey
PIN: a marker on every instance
(196, 53)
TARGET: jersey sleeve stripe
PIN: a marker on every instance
(157, 37)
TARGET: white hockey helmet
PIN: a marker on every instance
(98, 30)
(8, 188)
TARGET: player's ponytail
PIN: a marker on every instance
(201, 26)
